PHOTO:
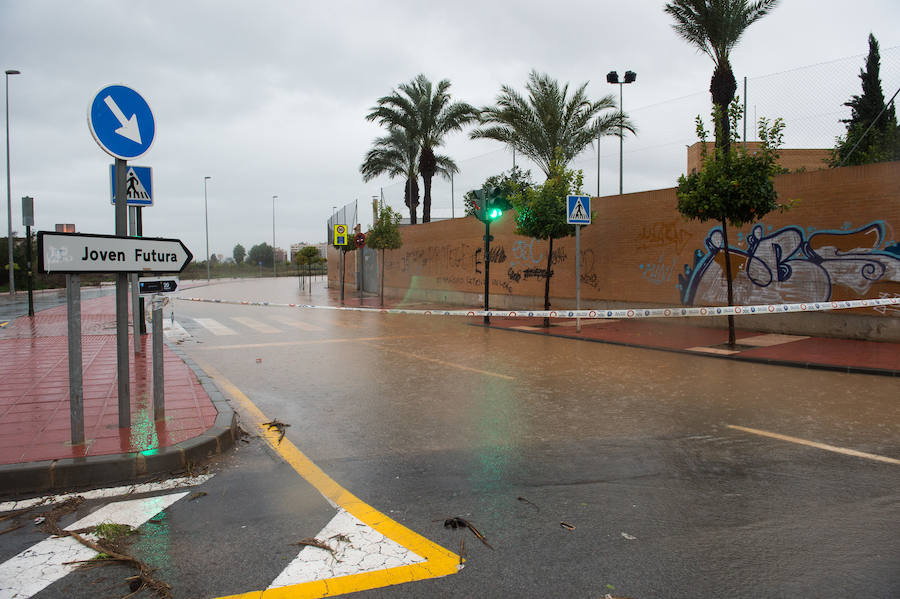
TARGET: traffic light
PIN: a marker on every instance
(490, 204)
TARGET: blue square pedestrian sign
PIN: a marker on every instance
(578, 210)
(138, 185)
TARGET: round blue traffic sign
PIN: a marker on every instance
(121, 122)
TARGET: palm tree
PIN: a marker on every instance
(395, 155)
(548, 126)
(426, 113)
(714, 27)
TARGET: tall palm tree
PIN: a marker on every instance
(714, 27)
(427, 114)
(396, 155)
(549, 126)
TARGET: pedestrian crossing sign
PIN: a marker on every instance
(578, 210)
(340, 235)
(138, 185)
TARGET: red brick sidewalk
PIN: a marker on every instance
(34, 402)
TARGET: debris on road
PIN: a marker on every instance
(523, 500)
(279, 426)
(628, 536)
(197, 495)
(313, 542)
(457, 522)
(567, 526)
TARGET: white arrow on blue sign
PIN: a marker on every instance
(121, 122)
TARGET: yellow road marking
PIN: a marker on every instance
(304, 342)
(438, 561)
(835, 449)
(436, 361)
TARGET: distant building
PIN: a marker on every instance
(321, 247)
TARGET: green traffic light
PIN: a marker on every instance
(495, 213)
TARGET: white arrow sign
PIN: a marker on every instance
(77, 252)
(129, 128)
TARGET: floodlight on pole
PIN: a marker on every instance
(12, 276)
(206, 221)
(613, 77)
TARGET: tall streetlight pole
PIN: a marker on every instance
(274, 259)
(206, 225)
(12, 276)
(613, 77)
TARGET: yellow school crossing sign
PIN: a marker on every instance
(340, 235)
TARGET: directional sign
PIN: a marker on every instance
(340, 235)
(138, 185)
(157, 285)
(79, 252)
(121, 122)
(578, 210)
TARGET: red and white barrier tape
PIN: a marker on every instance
(595, 313)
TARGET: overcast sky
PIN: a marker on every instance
(269, 98)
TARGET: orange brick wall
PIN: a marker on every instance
(638, 245)
(808, 159)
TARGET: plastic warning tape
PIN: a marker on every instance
(596, 313)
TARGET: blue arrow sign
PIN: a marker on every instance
(138, 185)
(121, 122)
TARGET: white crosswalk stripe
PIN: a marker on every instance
(297, 324)
(259, 327)
(214, 326)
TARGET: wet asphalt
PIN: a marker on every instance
(429, 418)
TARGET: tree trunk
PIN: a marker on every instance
(547, 284)
(427, 168)
(382, 277)
(412, 198)
(728, 284)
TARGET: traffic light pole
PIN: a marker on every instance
(487, 268)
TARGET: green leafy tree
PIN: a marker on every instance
(262, 252)
(872, 132)
(385, 235)
(714, 28)
(239, 253)
(307, 256)
(508, 183)
(541, 213)
(733, 186)
(427, 114)
(549, 126)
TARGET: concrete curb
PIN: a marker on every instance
(72, 473)
(735, 357)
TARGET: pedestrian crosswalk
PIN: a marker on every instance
(241, 326)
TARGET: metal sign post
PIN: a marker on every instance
(578, 212)
(159, 394)
(76, 388)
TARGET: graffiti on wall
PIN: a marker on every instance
(659, 272)
(663, 234)
(792, 265)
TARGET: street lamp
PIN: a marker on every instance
(12, 278)
(613, 77)
(274, 260)
(206, 221)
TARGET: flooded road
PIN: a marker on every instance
(432, 417)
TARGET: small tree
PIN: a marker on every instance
(262, 252)
(734, 186)
(541, 213)
(515, 181)
(872, 131)
(385, 235)
(309, 255)
(239, 253)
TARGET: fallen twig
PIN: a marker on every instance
(311, 542)
(523, 500)
(197, 495)
(567, 526)
(279, 426)
(458, 522)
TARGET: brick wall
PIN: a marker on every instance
(841, 240)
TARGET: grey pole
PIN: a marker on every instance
(76, 389)
(135, 287)
(206, 225)
(274, 259)
(12, 277)
(621, 136)
(598, 158)
(122, 356)
(577, 276)
(159, 394)
(452, 199)
(745, 112)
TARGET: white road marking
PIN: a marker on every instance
(259, 327)
(770, 340)
(817, 445)
(357, 549)
(214, 326)
(297, 324)
(42, 564)
(109, 492)
(714, 350)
